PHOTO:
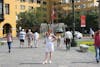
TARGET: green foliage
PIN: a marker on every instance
(92, 49)
(91, 19)
(30, 18)
(89, 43)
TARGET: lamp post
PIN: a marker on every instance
(73, 44)
(99, 14)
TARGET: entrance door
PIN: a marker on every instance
(6, 29)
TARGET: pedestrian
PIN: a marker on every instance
(29, 36)
(49, 49)
(91, 32)
(58, 40)
(22, 35)
(68, 38)
(97, 45)
(9, 40)
(36, 39)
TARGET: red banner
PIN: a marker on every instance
(83, 21)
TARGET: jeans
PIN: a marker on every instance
(97, 49)
(9, 45)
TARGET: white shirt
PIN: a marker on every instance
(36, 35)
(68, 34)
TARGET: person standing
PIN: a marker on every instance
(36, 38)
(97, 45)
(68, 38)
(22, 35)
(29, 36)
(9, 40)
(49, 39)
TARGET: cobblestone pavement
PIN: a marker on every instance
(33, 57)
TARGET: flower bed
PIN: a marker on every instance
(89, 43)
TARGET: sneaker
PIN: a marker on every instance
(50, 62)
(45, 62)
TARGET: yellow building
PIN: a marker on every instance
(11, 9)
(81, 5)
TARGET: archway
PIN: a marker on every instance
(6, 28)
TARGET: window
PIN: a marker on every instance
(31, 1)
(38, 1)
(44, 2)
(7, 9)
(22, 0)
(30, 7)
(22, 7)
(16, 0)
(1, 10)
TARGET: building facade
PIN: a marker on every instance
(80, 5)
(11, 9)
(66, 6)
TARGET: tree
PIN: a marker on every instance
(30, 18)
(91, 20)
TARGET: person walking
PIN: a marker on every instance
(49, 39)
(29, 36)
(59, 40)
(97, 45)
(22, 35)
(91, 33)
(9, 40)
(36, 39)
(68, 38)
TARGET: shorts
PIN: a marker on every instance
(21, 40)
(50, 47)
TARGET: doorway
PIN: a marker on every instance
(6, 28)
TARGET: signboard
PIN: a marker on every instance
(1, 10)
(83, 21)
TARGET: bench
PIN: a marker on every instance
(3, 42)
(84, 47)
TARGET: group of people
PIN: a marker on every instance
(22, 36)
(30, 37)
(49, 41)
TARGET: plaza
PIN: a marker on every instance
(33, 57)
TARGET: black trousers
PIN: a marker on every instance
(68, 43)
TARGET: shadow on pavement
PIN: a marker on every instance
(22, 47)
(31, 63)
(85, 62)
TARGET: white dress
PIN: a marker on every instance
(49, 43)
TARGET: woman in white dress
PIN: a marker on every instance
(49, 39)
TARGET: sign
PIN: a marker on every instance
(83, 21)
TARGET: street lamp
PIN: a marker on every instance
(73, 44)
(99, 14)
